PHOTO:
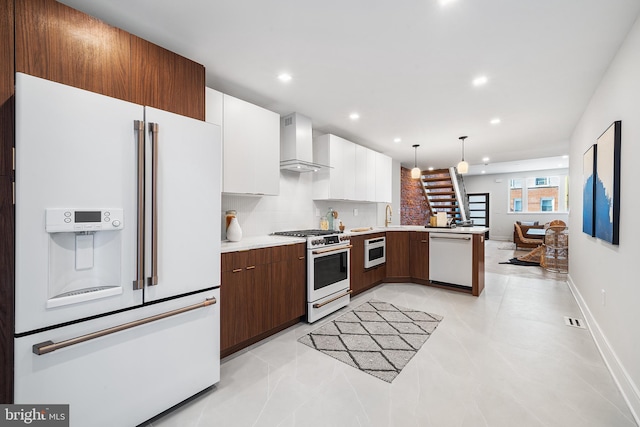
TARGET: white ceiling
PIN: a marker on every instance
(405, 66)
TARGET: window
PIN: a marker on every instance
(517, 205)
(542, 181)
(546, 204)
(538, 194)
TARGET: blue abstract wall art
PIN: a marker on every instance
(588, 190)
(607, 185)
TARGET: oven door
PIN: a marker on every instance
(328, 271)
(374, 252)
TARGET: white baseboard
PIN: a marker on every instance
(625, 383)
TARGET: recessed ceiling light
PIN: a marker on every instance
(430, 168)
(565, 156)
(354, 116)
(396, 140)
(485, 159)
(446, 2)
(284, 77)
(483, 172)
(495, 121)
(480, 80)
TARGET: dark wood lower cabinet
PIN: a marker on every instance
(419, 256)
(478, 264)
(234, 308)
(288, 286)
(398, 256)
(361, 278)
(262, 291)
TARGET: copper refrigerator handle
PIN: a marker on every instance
(153, 280)
(49, 346)
(318, 305)
(138, 283)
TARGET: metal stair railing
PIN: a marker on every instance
(461, 193)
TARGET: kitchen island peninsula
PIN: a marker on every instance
(451, 258)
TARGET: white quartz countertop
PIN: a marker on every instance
(266, 241)
(391, 228)
(259, 242)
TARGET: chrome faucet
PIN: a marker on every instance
(387, 215)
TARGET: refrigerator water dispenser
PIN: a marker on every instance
(85, 251)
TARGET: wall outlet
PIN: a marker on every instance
(604, 296)
(355, 212)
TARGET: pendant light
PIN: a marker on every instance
(415, 172)
(463, 167)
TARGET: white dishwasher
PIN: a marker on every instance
(451, 258)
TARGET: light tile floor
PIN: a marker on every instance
(505, 358)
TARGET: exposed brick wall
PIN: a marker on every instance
(413, 209)
(533, 197)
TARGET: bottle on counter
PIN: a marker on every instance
(330, 219)
(324, 223)
(229, 215)
(234, 232)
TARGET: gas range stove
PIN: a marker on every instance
(305, 233)
(328, 267)
(317, 238)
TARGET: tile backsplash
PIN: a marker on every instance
(293, 209)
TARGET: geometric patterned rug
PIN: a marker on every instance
(376, 337)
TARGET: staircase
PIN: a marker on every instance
(444, 192)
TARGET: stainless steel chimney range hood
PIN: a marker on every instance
(296, 144)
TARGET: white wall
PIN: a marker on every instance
(594, 265)
(497, 185)
(294, 208)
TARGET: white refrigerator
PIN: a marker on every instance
(117, 254)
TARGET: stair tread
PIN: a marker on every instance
(439, 186)
(441, 193)
(436, 179)
(435, 172)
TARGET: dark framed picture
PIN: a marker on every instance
(607, 195)
(589, 190)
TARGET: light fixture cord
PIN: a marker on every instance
(415, 157)
(463, 150)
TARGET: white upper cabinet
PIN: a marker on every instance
(361, 171)
(370, 193)
(357, 173)
(383, 178)
(251, 144)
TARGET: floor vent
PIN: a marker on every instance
(572, 321)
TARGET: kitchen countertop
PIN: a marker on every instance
(259, 242)
(421, 228)
(268, 241)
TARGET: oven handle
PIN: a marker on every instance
(318, 305)
(324, 251)
(374, 241)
